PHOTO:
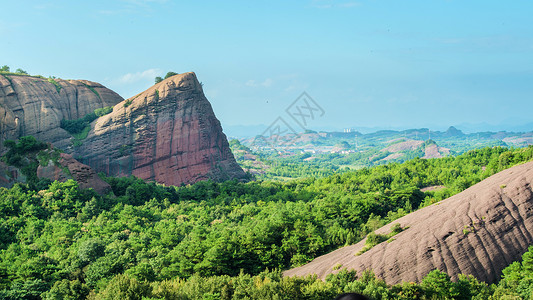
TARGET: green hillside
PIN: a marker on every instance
(227, 240)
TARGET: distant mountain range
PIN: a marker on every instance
(246, 131)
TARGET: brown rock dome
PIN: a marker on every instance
(479, 231)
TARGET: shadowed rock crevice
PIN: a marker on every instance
(478, 232)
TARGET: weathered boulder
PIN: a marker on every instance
(479, 232)
(69, 168)
(168, 134)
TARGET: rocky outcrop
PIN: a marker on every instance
(479, 232)
(67, 167)
(35, 106)
(168, 134)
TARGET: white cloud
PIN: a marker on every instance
(266, 83)
(130, 78)
(108, 12)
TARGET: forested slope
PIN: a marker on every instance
(479, 232)
(64, 241)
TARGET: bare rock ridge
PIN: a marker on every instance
(168, 134)
(35, 106)
(479, 232)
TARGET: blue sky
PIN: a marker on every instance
(387, 64)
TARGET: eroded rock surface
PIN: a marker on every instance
(69, 168)
(479, 231)
(35, 106)
(168, 134)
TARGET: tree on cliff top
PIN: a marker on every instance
(158, 79)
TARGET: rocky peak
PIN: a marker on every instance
(452, 131)
(168, 134)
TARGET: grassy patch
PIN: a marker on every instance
(128, 103)
(103, 111)
(21, 74)
(55, 83)
(373, 239)
(79, 128)
(80, 136)
(92, 90)
(124, 149)
(45, 156)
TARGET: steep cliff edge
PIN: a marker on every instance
(168, 134)
(35, 106)
(479, 231)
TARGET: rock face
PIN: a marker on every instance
(83, 174)
(35, 106)
(479, 231)
(168, 134)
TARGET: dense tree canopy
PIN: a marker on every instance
(219, 240)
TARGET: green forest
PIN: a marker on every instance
(320, 154)
(231, 240)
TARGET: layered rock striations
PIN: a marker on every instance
(168, 134)
(35, 106)
(479, 232)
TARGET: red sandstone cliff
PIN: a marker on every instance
(168, 134)
(479, 231)
(35, 106)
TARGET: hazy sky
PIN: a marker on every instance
(366, 63)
